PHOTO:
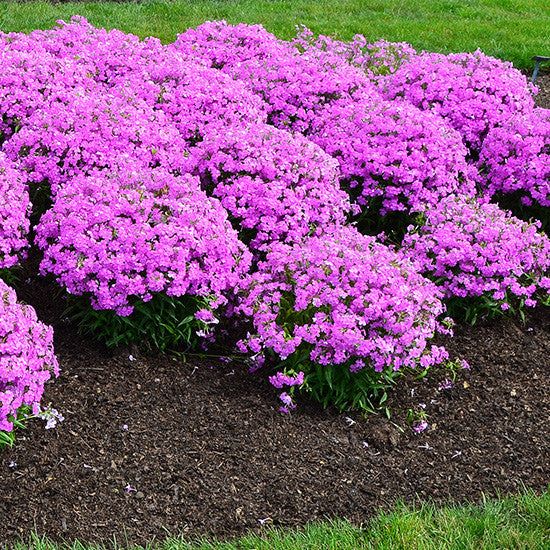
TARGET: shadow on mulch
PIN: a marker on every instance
(199, 447)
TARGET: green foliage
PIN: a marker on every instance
(7, 439)
(11, 276)
(475, 308)
(164, 324)
(336, 386)
(366, 390)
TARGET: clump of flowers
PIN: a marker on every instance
(31, 78)
(27, 358)
(126, 235)
(394, 151)
(473, 92)
(70, 139)
(275, 185)
(14, 213)
(342, 303)
(473, 249)
(294, 85)
(379, 58)
(194, 96)
(515, 158)
(126, 95)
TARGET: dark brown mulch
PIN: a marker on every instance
(204, 449)
(543, 84)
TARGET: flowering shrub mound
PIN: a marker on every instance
(109, 55)
(294, 85)
(471, 249)
(32, 78)
(118, 82)
(122, 236)
(193, 95)
(14, 211)
(342, 301)
(197, 99)
(376, 59)
(275, 185)
(515, 158)
(27, 359)
(66, 140)
(394, 151)
(473, 92)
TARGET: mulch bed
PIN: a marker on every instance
(205, 451)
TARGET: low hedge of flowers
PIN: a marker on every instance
(221, 181)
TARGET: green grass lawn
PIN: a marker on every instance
(513, 30)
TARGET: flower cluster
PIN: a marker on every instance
(473, 92)
(294, 85)
(122, 235)
(165, 78)
(515, 157)
(393, 150)
(379, 58)
(342, 298)
(32, 78)
(473, 249)
(126, 95)
(275, 185)
(67, 140)
(14, 211)
(27, 360)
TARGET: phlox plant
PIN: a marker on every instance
(31, 78)
(27, 358)
(486, 260)
(392, 155)
(157, 103)
(223, 46)
(125, 236)
(276, 186)
(64, 141)
(379, 58)
(473, 92)
(515, 164)
(294, 85)
(14, 213)
(195, 97)
(109, 55)
(344, 310)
